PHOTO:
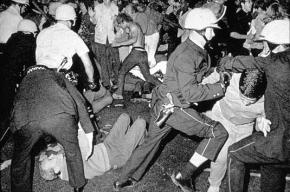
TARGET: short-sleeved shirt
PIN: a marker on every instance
(9, 20)
(104, 17)
(55, 43)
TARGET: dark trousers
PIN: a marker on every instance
(135, 58)
(243, 152)
(64, 128)
(108, 57)
(187, 121)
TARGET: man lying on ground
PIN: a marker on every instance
(112, 153)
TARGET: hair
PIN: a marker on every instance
(253, 83)
(87, 3)
(278, 11)
(123, 17)
(260, 4)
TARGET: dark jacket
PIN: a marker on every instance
(19, 54)
(44, 93)
(186, 68)
(277, 100)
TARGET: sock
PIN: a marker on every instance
(197, 159)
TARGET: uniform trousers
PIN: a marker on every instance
(188, 121)
(244, 152)
(64, 128)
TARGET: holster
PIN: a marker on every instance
(164, 111)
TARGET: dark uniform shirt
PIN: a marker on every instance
(277, 100)
(186, 68)
(45, 93)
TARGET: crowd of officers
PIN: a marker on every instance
(43, 43)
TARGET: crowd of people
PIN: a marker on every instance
(219, 70)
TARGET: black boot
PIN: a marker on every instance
(81, 189)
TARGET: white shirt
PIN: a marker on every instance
(104, 18)
(55, 43)
(9, 20)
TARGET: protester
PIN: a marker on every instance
(239, 25)
(103, 17)
(181, 88)
(52, 106)
(112, 153)
(137, 56)
(237, 111)
(273, 147)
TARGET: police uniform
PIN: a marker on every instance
(47, 103)
(185, 70)
(55, 43)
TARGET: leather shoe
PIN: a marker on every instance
(120, 185)
(81, 189)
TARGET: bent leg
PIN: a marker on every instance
(239, 154)
(128, 142)
(65, 128)
(142, 155)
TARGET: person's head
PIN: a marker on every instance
(20, 5)
(84, 5)
(246, 5)
(276, 33)
(259, 6)
(252, 86)
(202, 21)
(123, 20)
(65, 14)
(51, 161)
(276, 11)
(27, 26)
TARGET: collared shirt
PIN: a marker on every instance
(104, 17)
(57, 42)
(9, 20)
(186, 68)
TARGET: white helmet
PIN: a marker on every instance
(27, 25)
(200, 18)
(26, 2)
(277, 32)
(65, 12)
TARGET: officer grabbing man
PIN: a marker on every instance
(182, 89)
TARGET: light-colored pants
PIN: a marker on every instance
(99, 99)
(151, 43)
(236, 133)
(123, 139)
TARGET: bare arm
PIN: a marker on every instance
(238, 35)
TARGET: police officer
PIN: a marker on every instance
(57, 44)
(48, 104)
(10, 18)
(274, 147)
(19, 54)
(186, 68)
